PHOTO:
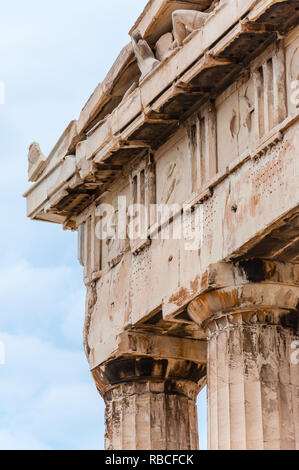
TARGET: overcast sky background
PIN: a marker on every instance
(52, 56)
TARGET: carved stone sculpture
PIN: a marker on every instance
(36, 162)
(164, 46)
(186, 21)
(145, 57)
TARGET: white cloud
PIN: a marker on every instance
(45, 300)
(47, 398)
(68, 410)
(19, 441)
(23, 279)
(72, 323)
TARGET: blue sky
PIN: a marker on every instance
(52, 56)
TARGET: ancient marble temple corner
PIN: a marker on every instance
(181, 178)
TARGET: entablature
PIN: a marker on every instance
(196, 73)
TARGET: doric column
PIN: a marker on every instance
(250, 314)
(150, 392)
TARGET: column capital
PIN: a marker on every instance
(150, 385)
(143, 356)
(256, 289)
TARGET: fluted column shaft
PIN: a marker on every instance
(147, 416)
(249, 311)
(252, 385)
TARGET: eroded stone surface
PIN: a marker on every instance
(252, 381)
(212, 124)
(250, 374)
(36, 162)
(145, 57)
(145, 400)
(186, 21)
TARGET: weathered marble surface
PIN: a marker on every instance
(212, 124)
